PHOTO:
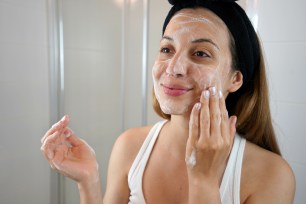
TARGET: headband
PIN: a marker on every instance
(238, 23)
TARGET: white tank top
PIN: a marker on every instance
(230, 185)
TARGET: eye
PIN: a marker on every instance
(165, 50)
(201, 54)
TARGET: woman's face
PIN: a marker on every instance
(194, 55)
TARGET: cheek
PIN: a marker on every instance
(158, 69)
(209, 77)
(205, 78)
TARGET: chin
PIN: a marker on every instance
(175, 109)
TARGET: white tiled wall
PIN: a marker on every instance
(24, 101)
(283, 31)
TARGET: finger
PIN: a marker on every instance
(193, 129)
(204, 117)
(224, 118)
(72, 138)
(65, 120)
(56, 127)
(232, 122)
(51, 143)
(47, 147)
(60, 152)
(215, 115)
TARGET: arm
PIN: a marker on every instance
(117, 190)
(124, 152)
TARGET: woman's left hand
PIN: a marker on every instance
(211, 135)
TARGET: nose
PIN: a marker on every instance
(178, 66)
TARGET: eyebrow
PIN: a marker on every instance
(167, 38)
(205, 40)
(200, 40)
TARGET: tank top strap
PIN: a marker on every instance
(137, 169)
(230, 185)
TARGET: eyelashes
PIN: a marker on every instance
(201, 54)
(197, 53)
(165, 50)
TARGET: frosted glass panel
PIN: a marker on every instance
(92, 60)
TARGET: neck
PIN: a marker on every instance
(178, 132)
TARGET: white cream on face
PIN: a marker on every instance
(199, 76)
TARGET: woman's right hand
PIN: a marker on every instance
(68, 154)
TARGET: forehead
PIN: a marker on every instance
(199, 21)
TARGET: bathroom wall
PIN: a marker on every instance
(24, 101)
(281, 25)
(92, 60)
(94, 53)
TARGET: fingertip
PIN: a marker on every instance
(220, 94)
(213, 90)
(197, 106)
(195, 112)
(67, 133)
(205, 95)
(65, 120)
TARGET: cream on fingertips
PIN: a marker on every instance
(206, 94)
(220, 94)
(198, 106)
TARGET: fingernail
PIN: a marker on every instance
(212, 90)
(220, 94)
(198, 106)
(68, 134)
(206, 94)
(63, 118)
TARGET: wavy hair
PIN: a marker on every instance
(250, 105)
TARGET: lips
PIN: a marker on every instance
(175, 90)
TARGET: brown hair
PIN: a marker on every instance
(250, 105)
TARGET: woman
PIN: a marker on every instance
(217, 144)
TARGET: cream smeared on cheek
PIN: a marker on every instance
(185, 29)
(167, 104)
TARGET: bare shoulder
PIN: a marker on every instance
(123, 154)
(127, 146)
(266, 177)
(130, 141)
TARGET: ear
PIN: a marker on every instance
(236, 81)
